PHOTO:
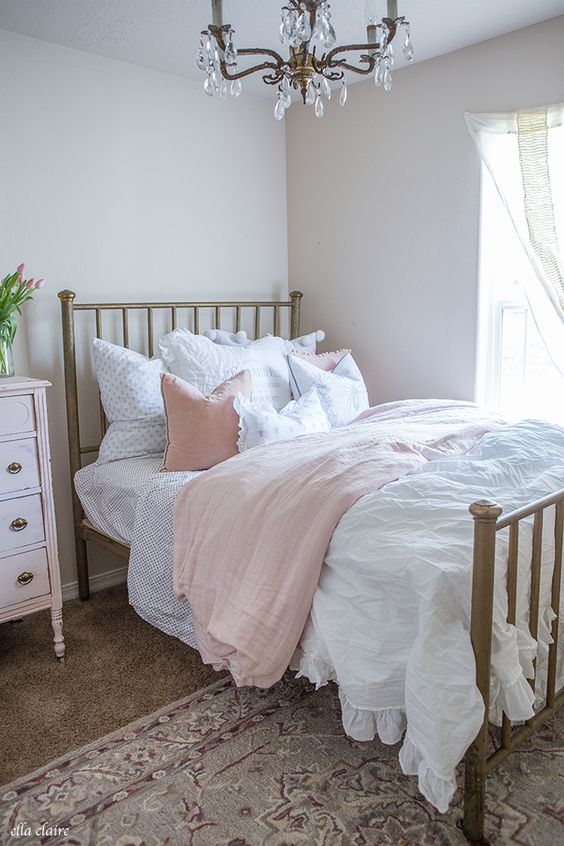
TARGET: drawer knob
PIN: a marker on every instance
(14, 467)
(25, 578)
(19, 524)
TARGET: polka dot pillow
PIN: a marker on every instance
(130, 387)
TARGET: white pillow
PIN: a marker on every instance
(305, 343)
(262, 424)
(206, 365)
(130, 387)
(342, 391)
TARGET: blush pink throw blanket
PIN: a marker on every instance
(251, 534)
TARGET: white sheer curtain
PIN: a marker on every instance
(524, 153)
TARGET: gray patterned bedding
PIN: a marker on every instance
(132, 502)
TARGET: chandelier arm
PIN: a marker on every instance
(264, 66)
(370, 48)
(259, 51)
(321, 65)
(344, 65)
(217, 32)
(349, 48)
(337, 75)
(354, 69)
(273, 78)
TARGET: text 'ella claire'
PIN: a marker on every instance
(23, 829)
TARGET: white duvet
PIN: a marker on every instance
(390, 617)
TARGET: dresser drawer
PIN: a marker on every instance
(16, 415)
(21, 522)
(19, 468)
(33, 573)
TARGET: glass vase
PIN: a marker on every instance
(6, 358)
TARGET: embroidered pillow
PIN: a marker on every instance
(130, 388)
(342, 390)
(201, 431)
(305, 343)
(206, 365)
(262, 424)
(325, 361)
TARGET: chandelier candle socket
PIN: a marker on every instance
(313, 63)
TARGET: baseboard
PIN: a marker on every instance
(98, 582)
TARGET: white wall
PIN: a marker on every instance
(124, 183)
(383, 209)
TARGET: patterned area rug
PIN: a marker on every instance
(228, 767)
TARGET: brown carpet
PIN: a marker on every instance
(118, 668)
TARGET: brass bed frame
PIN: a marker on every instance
(83, 529)
(488, 521)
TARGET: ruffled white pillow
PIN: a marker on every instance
(262, 424)
(206, 365)
(342, 391)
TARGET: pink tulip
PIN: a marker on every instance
(40, 283)
(20, 269)
(30, 283)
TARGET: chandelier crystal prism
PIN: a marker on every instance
(313, 62)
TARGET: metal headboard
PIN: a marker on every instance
(69, 307)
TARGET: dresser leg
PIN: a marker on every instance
(58, 639)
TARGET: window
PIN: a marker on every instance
(521, 311)
(515, 372)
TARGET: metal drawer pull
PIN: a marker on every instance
(25, 578)
(14, 468)
(18, 524)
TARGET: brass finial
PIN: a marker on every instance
(485, 509)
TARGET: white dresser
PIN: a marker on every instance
(29, 563)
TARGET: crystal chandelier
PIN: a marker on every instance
(313, 63)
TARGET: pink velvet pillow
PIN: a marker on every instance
(325, 361)
(201, 431)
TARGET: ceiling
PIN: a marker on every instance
(163, 34)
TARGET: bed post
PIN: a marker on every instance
(485, 516)
(296, 297)
(69, 354)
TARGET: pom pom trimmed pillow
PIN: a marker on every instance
(305, 343)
